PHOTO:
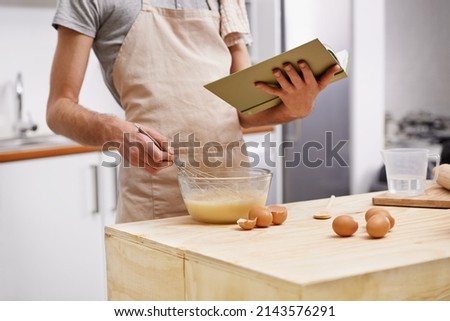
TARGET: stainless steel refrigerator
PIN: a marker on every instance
(321, 140)
(279, 25)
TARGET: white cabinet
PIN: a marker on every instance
(52, 214)
(264, 150)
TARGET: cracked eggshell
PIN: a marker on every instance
(246, 224)
(279, 214)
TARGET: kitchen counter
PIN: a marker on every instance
(59, 146)
(40, 152)
(53, 146)
(181, 259)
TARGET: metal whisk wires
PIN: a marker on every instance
(182, 166)
(188, 170)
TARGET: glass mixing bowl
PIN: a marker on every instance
(224, 195)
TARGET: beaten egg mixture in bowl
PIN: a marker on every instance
(224, 195)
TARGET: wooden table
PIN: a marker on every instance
(180, 259)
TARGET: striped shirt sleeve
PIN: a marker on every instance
(234, 24)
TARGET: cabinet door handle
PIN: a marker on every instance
(116, 187)
(96, 191)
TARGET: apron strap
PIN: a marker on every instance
(146, 4)
(213, 5)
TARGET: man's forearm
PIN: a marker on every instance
(67, 118)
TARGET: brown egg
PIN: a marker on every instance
(279, 214)
(262, 214)
(344, 225)
(246, 224)
(379, 210)
(377, 226)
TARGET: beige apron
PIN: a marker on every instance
(166, 58)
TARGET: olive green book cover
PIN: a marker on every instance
(238, 89)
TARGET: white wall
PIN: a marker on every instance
(368, 93)
(417, 57)
(28, 43)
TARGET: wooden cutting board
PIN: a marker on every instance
(435, 197)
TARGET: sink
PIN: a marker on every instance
(14, 143)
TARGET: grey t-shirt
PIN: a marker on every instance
(108, 22)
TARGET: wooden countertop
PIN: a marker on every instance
(181, 259)
(36, 151)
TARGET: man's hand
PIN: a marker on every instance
(297, 91)
(145, 148)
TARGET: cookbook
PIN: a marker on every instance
(238, 89)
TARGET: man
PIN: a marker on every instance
(156, 56)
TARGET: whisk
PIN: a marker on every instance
(197, 174)
(187, 169)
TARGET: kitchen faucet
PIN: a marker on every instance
(22, 126)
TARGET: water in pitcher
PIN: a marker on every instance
(406, 185)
